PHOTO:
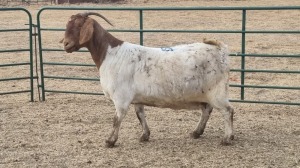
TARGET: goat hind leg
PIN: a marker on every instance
(139, 109)
(206, 111)
(228, 120)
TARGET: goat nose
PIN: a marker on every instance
(66, 43)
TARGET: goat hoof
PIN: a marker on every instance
(109, 144)
(144, 138)
(226, 142)
(195, 135)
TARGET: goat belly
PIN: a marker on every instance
(173, 104)
(169, 95)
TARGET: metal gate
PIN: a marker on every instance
(28, 52)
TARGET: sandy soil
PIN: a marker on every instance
(70, 130)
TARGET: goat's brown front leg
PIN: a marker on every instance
(119, 116)
(139, 109)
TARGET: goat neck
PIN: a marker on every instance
(99, 43)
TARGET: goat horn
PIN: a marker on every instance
(86, 14)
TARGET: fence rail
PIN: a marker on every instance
(29, 50)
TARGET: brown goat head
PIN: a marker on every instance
(79, 31)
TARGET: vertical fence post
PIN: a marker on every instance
(36, 59)
(30, 54)
(243, 54)
(31, 57)
(42, 85)
(141, 28)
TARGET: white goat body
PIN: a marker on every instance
(182, 77)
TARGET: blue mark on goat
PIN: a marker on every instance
(167, 49)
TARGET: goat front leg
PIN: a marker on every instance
(119, 116)
(206, 111)
(139, 109)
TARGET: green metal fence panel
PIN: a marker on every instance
(242, 54)
(28, 50)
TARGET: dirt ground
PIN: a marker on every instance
(69, 130)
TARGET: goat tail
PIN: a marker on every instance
(223, 50)
(218, 44)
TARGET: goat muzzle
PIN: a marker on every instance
(69, 46)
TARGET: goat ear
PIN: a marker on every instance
(86, 31)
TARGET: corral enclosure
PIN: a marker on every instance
(69, 130)
(188, 20)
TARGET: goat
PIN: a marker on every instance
(192, 76)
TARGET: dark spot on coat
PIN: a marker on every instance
(187, 79)
(208, 72)
(139, 57)
(147, 69)
(149, 59)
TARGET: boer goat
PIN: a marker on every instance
(192, 76)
